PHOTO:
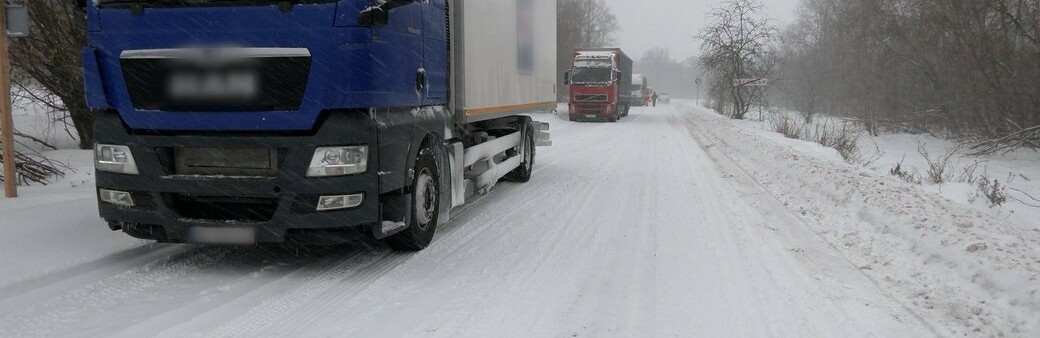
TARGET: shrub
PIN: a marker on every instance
(940, 167)
(899, 171)
(787, 126)
(995, 192)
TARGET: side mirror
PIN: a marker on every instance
(567, 77)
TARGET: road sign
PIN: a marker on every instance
(753, 82)
(698, 81)
(17, 21)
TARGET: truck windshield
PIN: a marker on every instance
(199, 3)
(592, 75)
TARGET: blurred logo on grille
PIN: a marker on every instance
(214, 85)
(590, 98)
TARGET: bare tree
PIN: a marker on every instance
(46, 69)
(581, 23)
(965, 69)
(51, 64)
(737, 44)
(31, 166)
(666, 74)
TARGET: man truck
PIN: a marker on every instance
(600, 84)
(267, 121)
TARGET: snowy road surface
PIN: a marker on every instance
(633, 229)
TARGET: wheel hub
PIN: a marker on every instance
(425, 199)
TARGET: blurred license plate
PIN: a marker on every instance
(236, 236)
(215, 85)
(590, 116)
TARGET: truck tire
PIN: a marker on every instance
(425, 205)
(522, 174)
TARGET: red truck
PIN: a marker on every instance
(600, 84)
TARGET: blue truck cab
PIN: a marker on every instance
(250, 121)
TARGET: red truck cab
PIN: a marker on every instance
(600, 83)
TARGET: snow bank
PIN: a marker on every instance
(1018, 170)
(967, 272)
(50, 228)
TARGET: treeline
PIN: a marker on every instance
(667, 75)
(591, 23)
(955, 68)
(581, 23)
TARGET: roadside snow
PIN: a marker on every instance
(1019, 170)
(970, 272)
(50, 228)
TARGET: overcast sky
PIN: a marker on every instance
(672, 24)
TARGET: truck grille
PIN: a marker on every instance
(590, 98)
(275, 82)
(243, 209)
(590, 109)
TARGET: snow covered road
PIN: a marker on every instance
(632, 229)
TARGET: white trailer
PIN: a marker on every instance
(503, 65)
(503, 58)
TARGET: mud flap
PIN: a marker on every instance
(542, 136)
(396, 211)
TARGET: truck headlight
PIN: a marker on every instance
(338, 161)
(114, 159)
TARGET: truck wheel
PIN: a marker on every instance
(522, 173)
(426, 204)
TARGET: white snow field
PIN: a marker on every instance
(669, 223)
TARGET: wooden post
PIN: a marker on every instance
(6, 120)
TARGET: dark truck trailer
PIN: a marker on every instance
(350, 118)
(600, 84)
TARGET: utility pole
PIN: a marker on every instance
(14, 20)
(6, 118)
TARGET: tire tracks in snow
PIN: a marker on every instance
(469, 238)
(352, 275)
(41, 319)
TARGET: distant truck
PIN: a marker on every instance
(641, 91)
(242, 122)
(600, 84)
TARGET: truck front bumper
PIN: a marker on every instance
(168, 207)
